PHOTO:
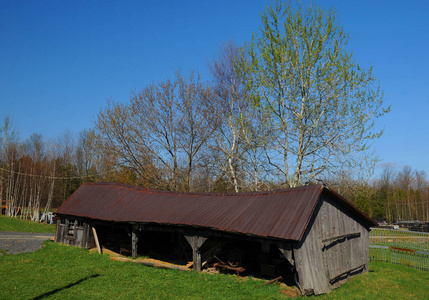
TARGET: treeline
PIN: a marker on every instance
(397, 194)
(37, 175)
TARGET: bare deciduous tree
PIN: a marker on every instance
(161, 133)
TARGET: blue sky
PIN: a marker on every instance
(61, 60)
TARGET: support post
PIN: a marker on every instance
(196, 240)
(196, 257)
(97, 243)
(134, 239)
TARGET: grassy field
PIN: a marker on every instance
(60, 271)
(384, 281)
(14, 224)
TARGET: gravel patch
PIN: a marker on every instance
(21, 242)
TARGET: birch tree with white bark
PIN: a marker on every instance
(243, 132)
(321, 102)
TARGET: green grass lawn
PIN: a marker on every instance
(66, 272)
(60, 271)
(14, 224)
(384, 281)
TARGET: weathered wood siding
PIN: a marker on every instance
(74, 232)
(319, 264)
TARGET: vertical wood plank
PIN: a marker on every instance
(197, 258)
(309, 260)
(134, 239)
(58, 232)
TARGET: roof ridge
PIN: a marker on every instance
(155, 191)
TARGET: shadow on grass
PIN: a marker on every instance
(65, 287)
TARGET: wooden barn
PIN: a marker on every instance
(309, 235)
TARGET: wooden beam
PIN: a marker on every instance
(286, 250)
(340, 237)
(196, 240)
(152, 263)
(134, 239)
(208, 232)
(357, 269)
(270, 281)
(97, 243)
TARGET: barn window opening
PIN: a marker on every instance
(79, 224)
(70, 228)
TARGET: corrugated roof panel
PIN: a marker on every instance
(281, 214)
(303, 218)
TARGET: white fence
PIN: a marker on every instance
(402, 247)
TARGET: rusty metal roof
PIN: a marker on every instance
(282, 214)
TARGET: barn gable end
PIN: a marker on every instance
(334, 247)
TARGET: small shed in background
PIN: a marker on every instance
(310, 234)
